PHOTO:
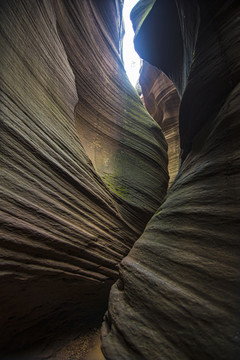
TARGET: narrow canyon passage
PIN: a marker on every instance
(101, 194)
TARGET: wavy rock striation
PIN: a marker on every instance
(178, 294)
(124, 143)
(83, 165)
(162, 102)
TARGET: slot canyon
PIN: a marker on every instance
(120, 213)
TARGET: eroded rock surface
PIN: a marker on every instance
(178, 294)
(162, 102)
(124, 143)
(69, 120)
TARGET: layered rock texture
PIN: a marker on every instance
(162, 102)
(178, 294)
(83, 165)
(84, 168)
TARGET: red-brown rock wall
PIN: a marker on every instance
(162, 102)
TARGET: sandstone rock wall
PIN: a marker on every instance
(162, 102)
(75, 144)
(178, 294)
(124, 143)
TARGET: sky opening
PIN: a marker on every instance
(130, 57)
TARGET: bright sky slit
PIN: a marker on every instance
(130, 57)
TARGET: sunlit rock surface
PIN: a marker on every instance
(83, 165)
(178, 294)
(162, 102)
(124, 143)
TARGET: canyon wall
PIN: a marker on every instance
(83, 165)
(178, 295)
(162, 102)
(84, 168)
